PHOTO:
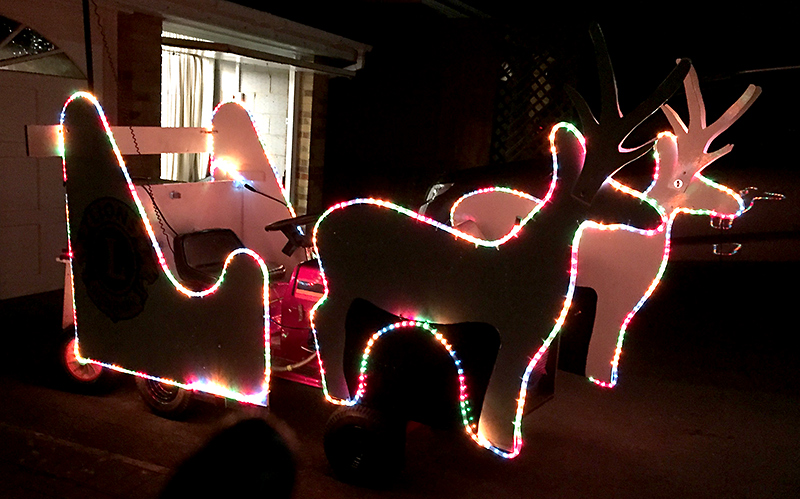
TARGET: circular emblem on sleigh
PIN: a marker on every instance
(114, 258)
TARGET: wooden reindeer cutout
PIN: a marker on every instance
(624, 264)
(416, 268)
(625, 280)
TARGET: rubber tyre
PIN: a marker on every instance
(84, 378)
(167, 401)
(364, 447)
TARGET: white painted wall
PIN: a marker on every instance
(32, 220)
(265, 92)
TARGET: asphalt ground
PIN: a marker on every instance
(707, 406)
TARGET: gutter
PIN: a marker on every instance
(349, 72)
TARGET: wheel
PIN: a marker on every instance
(364, 446)
(168, 401)
(88, 377)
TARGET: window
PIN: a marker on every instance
(187, 90)
(23, 49)
(194, 82)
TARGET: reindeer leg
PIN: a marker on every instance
(329, 332)
(499, 427)
(621, 267)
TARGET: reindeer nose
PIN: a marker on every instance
(722, 223)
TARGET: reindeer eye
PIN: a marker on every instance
(678, 183)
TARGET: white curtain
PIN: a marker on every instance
(186, 100)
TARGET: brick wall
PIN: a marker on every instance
(138, 77)
(310, 142)
(266, 93)
(317, 142)
(303, 140)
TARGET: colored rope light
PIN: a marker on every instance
(664, 226)
(563, 315)
(209, 386)
(727, 190)
(690, 157)
(60, 151)
(669, 219)
(455, 232)
(463, 398)
(231, 170)
(632, 313)
(475, 435)
(416, 216)
(538, 203)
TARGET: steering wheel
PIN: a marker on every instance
(291, 222)
(291, 229)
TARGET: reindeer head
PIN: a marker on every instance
(684, 154)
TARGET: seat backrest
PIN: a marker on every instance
(200, 256)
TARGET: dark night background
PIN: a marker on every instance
(429, 101)
(425, 104)
(426, 101)
(707, 400)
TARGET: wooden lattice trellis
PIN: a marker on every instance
(530, 97)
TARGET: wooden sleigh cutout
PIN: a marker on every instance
(132, 312)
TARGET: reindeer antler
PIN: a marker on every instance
(605, 154)
(695, 139)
